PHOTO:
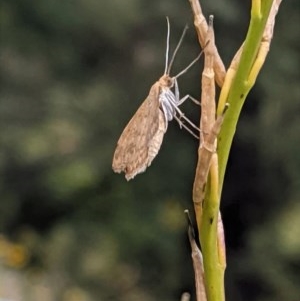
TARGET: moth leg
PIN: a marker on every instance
(177, 101)
(182, 116)
(183, 99)
(182, 125)
(177, 96)
(188, 96)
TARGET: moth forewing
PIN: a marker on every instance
(136, 148)
(153, 148)
(156, 141)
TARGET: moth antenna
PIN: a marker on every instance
(176, 49)
(168, 45)
(210, 24)
(189, 66)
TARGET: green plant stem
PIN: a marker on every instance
(241, 83)
(240, 87)
(214, 267)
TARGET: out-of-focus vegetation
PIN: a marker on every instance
(72, 74)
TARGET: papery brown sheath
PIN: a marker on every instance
(142, 137)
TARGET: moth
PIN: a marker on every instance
(141, 139)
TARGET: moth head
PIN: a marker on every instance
(166, 81)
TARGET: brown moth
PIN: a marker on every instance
(142, 137)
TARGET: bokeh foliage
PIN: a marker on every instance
(72, 74)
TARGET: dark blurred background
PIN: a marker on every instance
(73, 72)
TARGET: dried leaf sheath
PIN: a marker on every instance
(142, 137)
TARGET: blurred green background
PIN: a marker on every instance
(73, 72)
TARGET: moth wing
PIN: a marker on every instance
(156, 141)
(132, 152)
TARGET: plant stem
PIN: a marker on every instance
(241, 83)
